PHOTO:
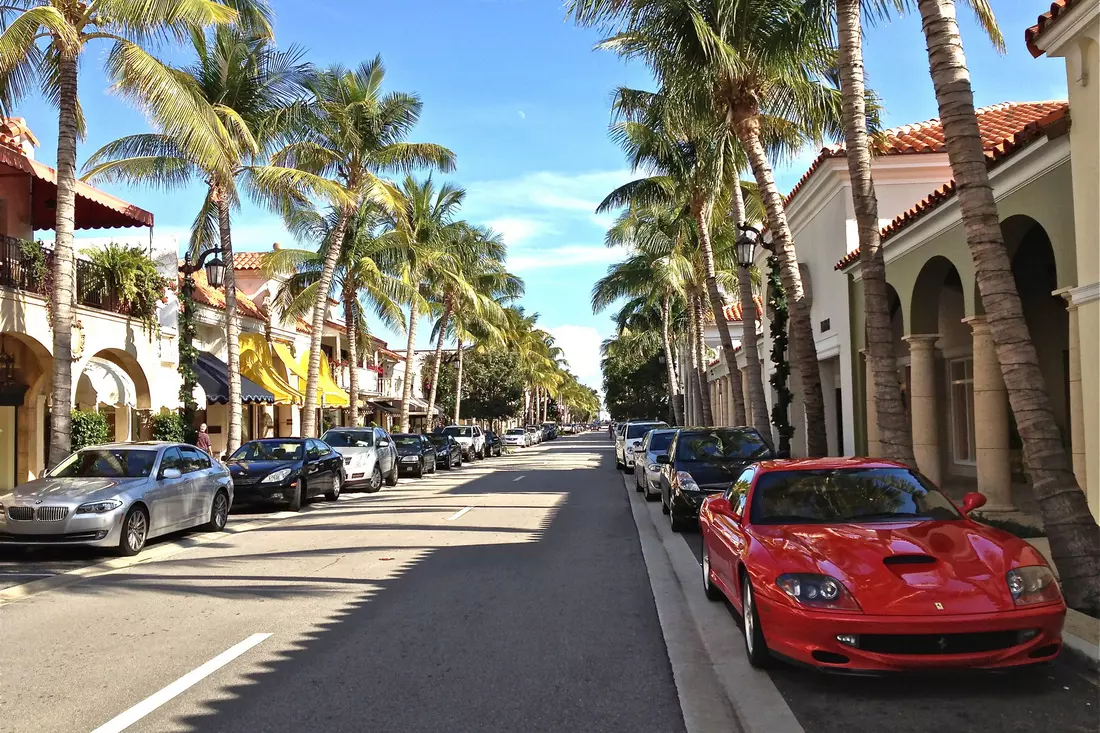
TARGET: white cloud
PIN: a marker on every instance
(522, 115)
(581, 345)
(547, 192)
(567, 256)
(517, 230)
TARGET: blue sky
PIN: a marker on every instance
(516, 91)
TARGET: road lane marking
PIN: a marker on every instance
(458, 514)
(192, 678)
(519, 478)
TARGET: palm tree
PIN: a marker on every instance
(760, 64)
(44, 40)
(351, 132)
(243, 88)
(1074, 533)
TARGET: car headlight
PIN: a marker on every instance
(409, 459)
(817, 591)
(277, 476)
(99, 507)
(1032, 584)
(685, 481)
(653, 467)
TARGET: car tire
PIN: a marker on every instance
(618, 464)
(375, 484)
(710, 590)
(334, 493)
(219, 512)
(756, 648)
(664, 506)
(391, 480)
(419, 470)
(296, 501)
(134, 533)
(649, 495)
(637, 484)
(675, 523)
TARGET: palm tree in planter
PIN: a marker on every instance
(1073, 532)
(351, 132)
(243, 88)
(44, 40)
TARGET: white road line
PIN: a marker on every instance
(192, 678)
(458, 514)
(519, 478)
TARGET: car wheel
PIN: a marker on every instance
(298, 499)
(709, 588)
(637, 484)
(135, 530)
(618, 464)
(649, 495)
(664, 504)
(755, 646)
(334, 493)
(391, 480)
(375, 484)
(675, 523)
(419, 470)
(219, 512)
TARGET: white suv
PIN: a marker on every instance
(628, 437)
(470, 437)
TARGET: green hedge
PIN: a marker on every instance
(89, 428)
(169, 426)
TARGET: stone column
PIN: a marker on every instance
(874, 446)
(122, 423)
(990, 421)
(1076, 394)
(924, 405)
(731, 409)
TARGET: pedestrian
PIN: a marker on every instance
(202, 442)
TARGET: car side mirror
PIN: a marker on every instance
(383, 443)
(720, 505)
(639, 449)
(663, 460)
(972, 501)
(175, 473)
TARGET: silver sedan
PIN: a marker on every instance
(119, 496)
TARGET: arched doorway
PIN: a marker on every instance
(113, 383)
(23, 414)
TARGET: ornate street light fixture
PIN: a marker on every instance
(215, 268)
(746, 244)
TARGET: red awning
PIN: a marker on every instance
(95, 209)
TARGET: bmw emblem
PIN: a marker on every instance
(37, 501)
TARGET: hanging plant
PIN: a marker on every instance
(777, 304)
(127, 278)
(37, 273)
(188, 355)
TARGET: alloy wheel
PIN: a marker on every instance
(706, 566)
(376, 479)
(747, 613)
(136, 530)
(336, 487)
(221, 510)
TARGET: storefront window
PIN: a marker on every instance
(961, 377)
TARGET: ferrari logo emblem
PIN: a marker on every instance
(942, 643)
(939, 606)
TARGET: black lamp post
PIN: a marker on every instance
(746, 244)
(215, 268)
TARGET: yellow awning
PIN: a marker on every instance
(331, 393)
(256, 364)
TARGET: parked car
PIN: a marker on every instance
(704, 461)
(118, 495)
(550, 430)
(470, 437)
(629, 437)
(647, 471)
(287, 470)
(517, 437)
(494, 446)
(864, 565)
(369, 456)
(448, 452)
(417, 454)
(535, 432)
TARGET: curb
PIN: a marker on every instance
(1081, 652)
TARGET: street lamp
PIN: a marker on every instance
(747, 242)
(215, 268)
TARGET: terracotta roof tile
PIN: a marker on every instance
(734, 312)
(302, 327)
(215, 298)
(996, 152)
(336, 326)
(1058, 8)
(248, 260)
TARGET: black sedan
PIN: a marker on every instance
(286, 470)
(704, 461)
(416, 454)
(448, 453)
(494, 446)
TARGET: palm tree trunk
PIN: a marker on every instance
(320, 306)
(458, 384)
(747, 126)
(63, 266)
(757, 402)
(894, 429)
(673, 390)
(695, 408)
(1074, 534)
(232, 325)
(701, 361)
(447, 301)
(702, 210)
(407, 382)
(351, 318)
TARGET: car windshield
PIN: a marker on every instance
(440, 440)
(660, 442)
(107, 463)
(349, 438)
(265, 450)
(406, 440)
(847, 495)
(459, 431)
(516, 431)
(721, 445)
(639, 430)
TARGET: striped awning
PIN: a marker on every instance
(213, 376)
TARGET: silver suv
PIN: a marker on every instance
(627, 439)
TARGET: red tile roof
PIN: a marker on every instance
(248, 260)
(215, 298)
(391, 354)
(995, 153)
(995, 123)
(302, 327)
(734, 312)
(336, 326)
(1058, 8)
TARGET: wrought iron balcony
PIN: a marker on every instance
(20, 271)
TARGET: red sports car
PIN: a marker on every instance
(856, 564)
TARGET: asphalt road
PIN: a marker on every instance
(510, 595)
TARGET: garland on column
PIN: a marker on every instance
(188, 354)
(777, 303)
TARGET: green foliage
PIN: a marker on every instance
(777, 304)
(33, 258)
(130, 275)
(88, 428)
(188, 354)
(1023, 531)
(634, 384)
(492, 385)
(169, 426)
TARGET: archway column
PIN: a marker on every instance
(1076, 392)
(924, 404)
(991, 425)
(874, 445)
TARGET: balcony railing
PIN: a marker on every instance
(17, 272)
